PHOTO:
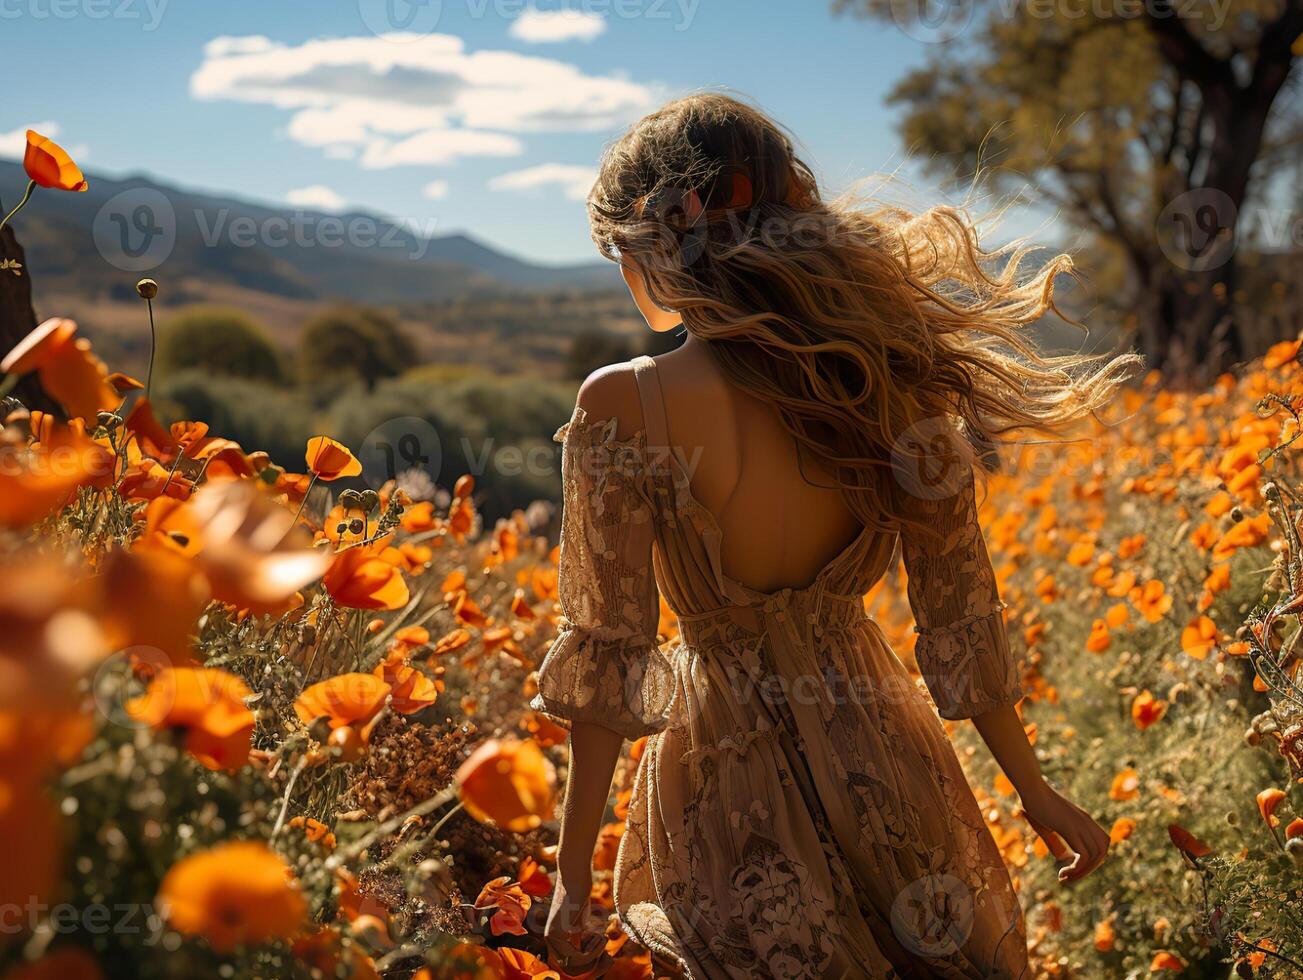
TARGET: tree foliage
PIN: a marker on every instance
(365, 343)
(1150, 123)
(219, 341)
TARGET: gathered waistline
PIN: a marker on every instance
(823, 613)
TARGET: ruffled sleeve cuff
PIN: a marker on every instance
(624, 683)
(968, 666)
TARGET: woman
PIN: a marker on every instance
(798, 809)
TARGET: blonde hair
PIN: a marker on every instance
(861, 326)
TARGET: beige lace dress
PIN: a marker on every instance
(798, 810)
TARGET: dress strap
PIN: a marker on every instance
(653, 401)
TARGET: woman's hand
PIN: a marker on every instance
(1071, 834)
(576, 939)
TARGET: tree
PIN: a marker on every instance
(358, 341)
(219, 341)
(1149, 122)
(18, 318)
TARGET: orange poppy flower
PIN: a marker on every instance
(153, 598)
(362, 577)
(346, 700)
(79, 381)
(471, 961)
(48, 165)
(1151, 600)
(1126, 785)
(315, 831)
(543, 729)
(510, 904)
(1268, 801)
(454, 640)
(1247, 533)
(249, 549)
(608, 845)
(37, 481)
(1146, 710)
(1123, 827)
(520, 607)
(509, 782)
(69, 371)
(40, 346)
(412, 637)
(147, 479)
(208, 705)
(1099, 639)
(1105, 936)
(330, 460)
(1200, 637)
(236, 893)
(412, 690)
(533, 879)
(468, 612)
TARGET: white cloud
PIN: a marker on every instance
(426, 101)
(435, 190)
(551, 26)
(318, 196)
(575, 180)
(14, 143)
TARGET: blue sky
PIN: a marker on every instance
(486, 119)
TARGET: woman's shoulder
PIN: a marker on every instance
(611, 392)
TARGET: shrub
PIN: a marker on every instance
(217, 340)
(498, 429)
(253, 413)
(364, 343)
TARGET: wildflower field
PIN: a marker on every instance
(264, 723)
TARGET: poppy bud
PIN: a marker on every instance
(464, 486)
(320, 729)
(368, 500)
(147, 288)
(357, 525)
(1294, 848)
(108, 420)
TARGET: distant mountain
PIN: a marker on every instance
(92, 247)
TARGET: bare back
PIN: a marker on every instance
(780, 525)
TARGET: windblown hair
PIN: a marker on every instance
(866, 328)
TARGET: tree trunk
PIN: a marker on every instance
(18, 318)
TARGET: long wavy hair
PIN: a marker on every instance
(871, 329)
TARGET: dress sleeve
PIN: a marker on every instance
(963, 649)
(605, 666)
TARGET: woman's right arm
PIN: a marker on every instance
(964, 656)
(1072, 835)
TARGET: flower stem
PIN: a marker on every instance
(304, 502)
(153, 344)
(27, 196)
